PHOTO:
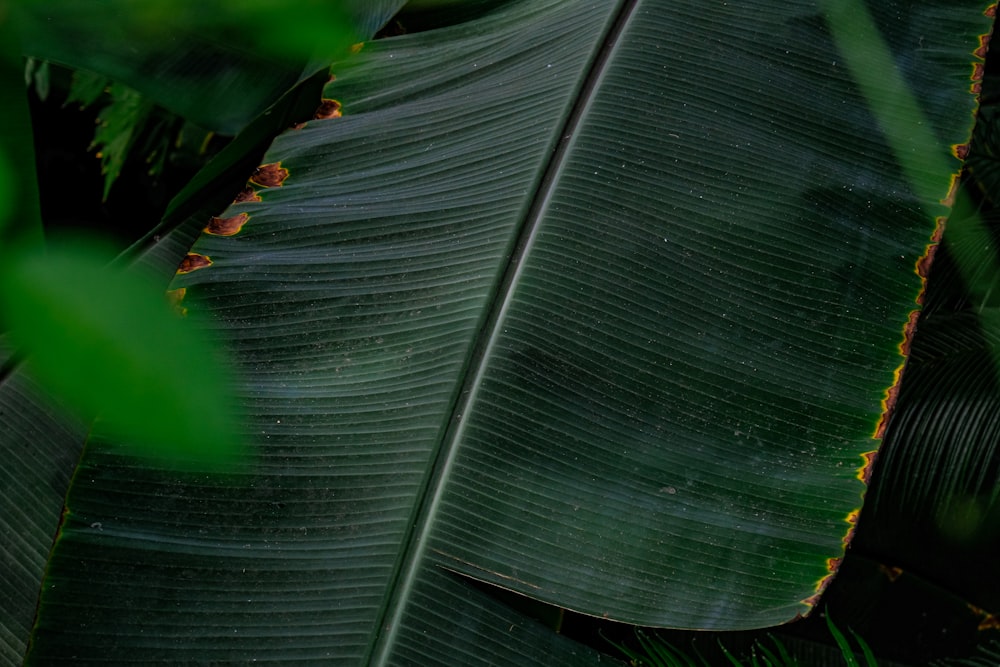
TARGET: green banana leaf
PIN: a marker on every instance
(596, 303)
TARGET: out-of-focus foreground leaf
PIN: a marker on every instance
(103, 341)
(598, 303)
(101, 337)
(20, 219)
(219, 63)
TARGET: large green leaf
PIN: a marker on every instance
(598, 303)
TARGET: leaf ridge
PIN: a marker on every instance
(413, 548)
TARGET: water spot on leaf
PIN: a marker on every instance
(226, 226)
(269, 175)
(192, 262)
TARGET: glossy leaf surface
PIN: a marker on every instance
(596, 303)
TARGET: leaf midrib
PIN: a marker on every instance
(413, 545)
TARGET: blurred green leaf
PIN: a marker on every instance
(36, 73)
(7, 196)
(20, 218)
(219, 63)
(108, 343)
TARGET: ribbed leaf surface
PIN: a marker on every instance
(595, 303)
(40, 450)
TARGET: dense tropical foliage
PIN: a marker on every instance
(530, 318)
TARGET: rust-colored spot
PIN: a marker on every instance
(891, 573)
(832, 565)
(937, 234)
(910, 329)
(175, 297)
(298, 126)
(192, 262)
(888, 403)
(269, 175)
(226, 226)
(245, 195)
(978, 70)
(865, 469)
(922, 268)
(961, 151)
(991, 11)
(989, 621)
(852, 520)
(327, 109)
(949, 199)
(984, 46)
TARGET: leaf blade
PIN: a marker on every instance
(391, 231)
